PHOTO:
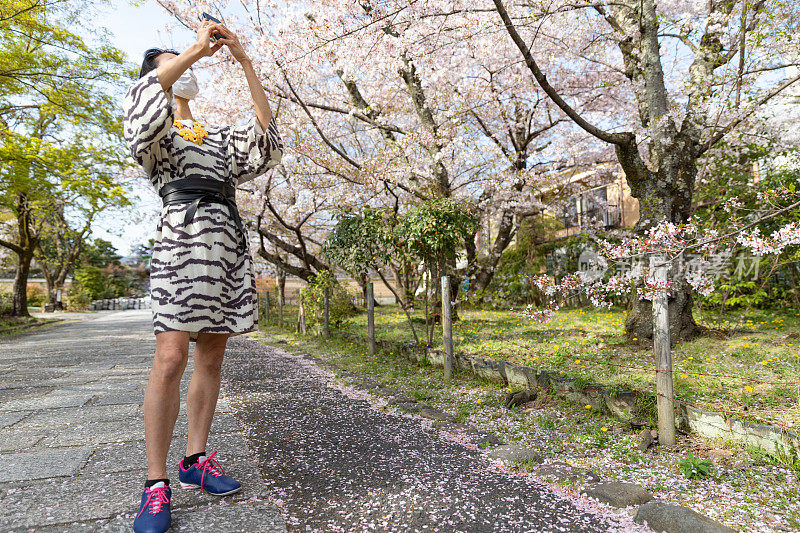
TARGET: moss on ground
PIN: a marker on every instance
(11, 325)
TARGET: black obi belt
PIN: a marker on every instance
(196, 190)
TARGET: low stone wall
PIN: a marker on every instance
(631, 406)
(712, 424)
(119, 304)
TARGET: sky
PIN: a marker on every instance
(134, 29)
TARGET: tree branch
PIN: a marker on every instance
(612, 138)
(11, 246)
(324, 137)
(342, 111)
(727, 129)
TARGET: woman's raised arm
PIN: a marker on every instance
(256, 146)
(263, 112)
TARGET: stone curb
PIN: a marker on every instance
(623, 405)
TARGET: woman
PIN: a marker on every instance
(202, 282)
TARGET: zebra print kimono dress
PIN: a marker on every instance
(201, 274)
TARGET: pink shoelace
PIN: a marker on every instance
(209, 464)
(156, 497)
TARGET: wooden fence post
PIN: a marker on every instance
(371, 318)
(280, 307)
(663, 355)
(326, 333)
(447, 328)
(301, 317)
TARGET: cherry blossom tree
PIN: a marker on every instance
(684, 75)
(385, 103)
(389, 112)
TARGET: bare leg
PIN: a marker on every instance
(204, 388)
(162, 398)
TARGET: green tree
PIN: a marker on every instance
(91, 280)
(369, 240)
(430, 234)
(44, 62)
(433, 232)
(75, 206)
(143, 252)
(59, 247)
(61, 147)
(99, 253)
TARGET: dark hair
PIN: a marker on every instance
(149, 62)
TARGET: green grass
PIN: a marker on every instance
(10, 325)
(737, 367)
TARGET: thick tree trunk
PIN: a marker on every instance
(434, 295)
(281, 282)
(401, 285)
(50, 285)
(19, 296)
(24, 248)
(55, 269)
(59, 304)
(362, 282)
(59, 286)
(665, 196)
(486, 268)
(682, 326)
(455, 285)
(448, 268)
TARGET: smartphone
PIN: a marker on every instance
(206, 16)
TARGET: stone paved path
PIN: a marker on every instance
(336, 464)
(71, 435)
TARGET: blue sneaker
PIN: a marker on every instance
(207, 474)
(154, 515)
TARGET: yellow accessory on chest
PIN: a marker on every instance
(194, 135)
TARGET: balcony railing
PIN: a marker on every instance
(591, 209)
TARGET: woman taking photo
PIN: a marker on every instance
(201, 277)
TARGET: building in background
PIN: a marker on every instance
(597, 199)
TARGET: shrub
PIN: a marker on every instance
(6, 303)
(77, 298)
(37, 296)
(90, 280)
(340, 306)
(696, 468)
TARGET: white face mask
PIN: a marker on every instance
(186, 86)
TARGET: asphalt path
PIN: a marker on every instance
(334, 462)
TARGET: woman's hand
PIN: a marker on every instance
(170, 70)
(203, 47)
(232, 41)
